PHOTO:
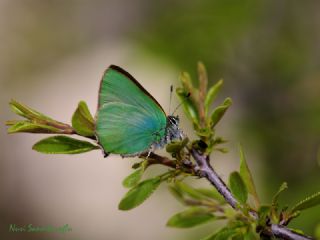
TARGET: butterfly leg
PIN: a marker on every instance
(149, 152)
(105, 154)
(152, 148)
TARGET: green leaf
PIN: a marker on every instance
(202, 90)
(211, 193)
(190, 191)
(251, 235)
(247, 177)
(82, 120)
(223, 234)
(263, 213)
(222, 150)
(133, 179)
(283, 187)
(309, 202)
(212, 94)
(238, 187)
(186, 82)
(203, 132)
(63, 145)
(317, 231)
(175, 147)
(26, 111)
(177, 193)
(138, 194)
(190, 218)
(39, 123)
(27, 126)
(218, 112)
(203, 78)
(299, 231)
(188, 105)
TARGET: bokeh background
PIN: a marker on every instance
(53, 54)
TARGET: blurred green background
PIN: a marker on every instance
(53, 54)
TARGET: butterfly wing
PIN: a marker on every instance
(129, 119)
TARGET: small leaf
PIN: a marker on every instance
(63, 145)
(218, 112)
(186, 81)
(82, 120)
(223, 234)
(220, 140)
(46, 123)
(12, 122)
(188, 105)
(211, 193)
(309, 202)
(175, 147)
(138, 194)
(190, 218)
(190, 191)
(283, 187)
(247, 177)
(133, 179)
(26, 111)
(212, 94)
(317, 231)
(251, 235)
(263, 213)
(203, 85)
(203, 78)
(222, 150)
(204, 132)
(292, 215)
(27, 126)
(299, 231)
(238, 187)
(137, 165)
(177, 194)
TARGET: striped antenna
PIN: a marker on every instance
(171, 90)
(186, 97)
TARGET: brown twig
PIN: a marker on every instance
(157, 159)
(206, 170)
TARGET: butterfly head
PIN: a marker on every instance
(173, 130)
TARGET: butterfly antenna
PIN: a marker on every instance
(171, 90)
(186, 97)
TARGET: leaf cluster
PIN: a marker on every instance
(36, 122)
(197, 103)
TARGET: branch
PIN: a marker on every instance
(206, 170)
(285, 233)
(157, 159)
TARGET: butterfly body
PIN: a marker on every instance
(129, 121)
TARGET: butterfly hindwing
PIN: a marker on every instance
(129, 119)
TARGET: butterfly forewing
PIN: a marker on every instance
(129, 119)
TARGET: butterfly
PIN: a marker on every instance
(129, 121)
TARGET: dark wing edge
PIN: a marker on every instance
(128, 75)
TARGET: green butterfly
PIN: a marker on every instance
(129, 121)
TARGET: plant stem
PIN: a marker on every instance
(206, 170)
(157, 159)
(283, 232)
